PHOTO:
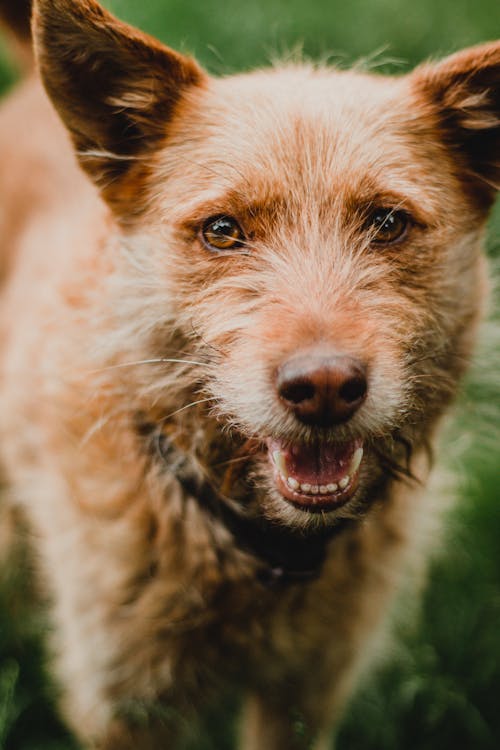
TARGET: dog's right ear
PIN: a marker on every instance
(114, 87)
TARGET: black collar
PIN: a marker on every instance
(284, 556)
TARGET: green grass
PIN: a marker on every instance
(441, 686)
(241, 34)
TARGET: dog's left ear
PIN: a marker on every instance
(463, 93)
(115, 88)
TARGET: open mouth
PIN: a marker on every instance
(318, 477)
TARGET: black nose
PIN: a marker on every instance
(322, 391)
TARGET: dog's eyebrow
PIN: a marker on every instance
(231, 202)
(362, 199)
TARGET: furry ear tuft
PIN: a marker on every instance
(463, 90)
(114, 87)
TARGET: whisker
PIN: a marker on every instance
(396, 468)
(187, 406)
(215, 349)
(206, 167)
(211, 168)
(233, 460)
(159, 360)
(236, 251)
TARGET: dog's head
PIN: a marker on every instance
(310, 240)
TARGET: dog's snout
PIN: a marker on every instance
(322, 391)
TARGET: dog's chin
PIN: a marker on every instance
(314, 484)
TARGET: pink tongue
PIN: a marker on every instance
(322, 463)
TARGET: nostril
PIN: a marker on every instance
(322, 390)
(353, 390)
(298, 392)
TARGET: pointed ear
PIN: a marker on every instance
(463, 91)
(114, 87)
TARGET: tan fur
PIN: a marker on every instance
(114, 315)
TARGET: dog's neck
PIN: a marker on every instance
(283, 556)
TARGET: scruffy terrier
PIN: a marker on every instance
(228, 337)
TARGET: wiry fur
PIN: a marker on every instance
(121, 331)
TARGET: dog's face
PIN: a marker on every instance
(310, 237)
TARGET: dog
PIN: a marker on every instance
(234, 312)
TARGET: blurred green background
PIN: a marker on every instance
(440, 687)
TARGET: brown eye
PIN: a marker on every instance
(222, 233)
(387, 225)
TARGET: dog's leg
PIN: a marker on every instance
(122, 736)
(279, 725)
(267, 724)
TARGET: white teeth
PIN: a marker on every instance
(356, 460)
(315, 489)
(280, 463)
